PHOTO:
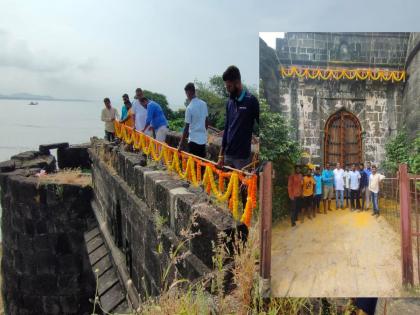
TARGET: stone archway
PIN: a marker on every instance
(343, 139)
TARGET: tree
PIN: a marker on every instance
(277, 145)
(162, 101)
(397, 150)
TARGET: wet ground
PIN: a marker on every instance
(340, 254)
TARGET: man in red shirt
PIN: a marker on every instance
(294, 188)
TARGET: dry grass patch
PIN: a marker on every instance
(67, 176)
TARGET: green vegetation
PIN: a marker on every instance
(277, 146)
(400, 149)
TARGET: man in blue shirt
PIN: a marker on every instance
(368, 172)
(155, 119)
(242, 111)
(363, 186)
(318, 190)
(328, 181)
(196, 123)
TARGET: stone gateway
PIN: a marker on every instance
(342, 120)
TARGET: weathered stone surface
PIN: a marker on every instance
(149, 211)
(74, 156)
(45, 148)
(7, 166)
(45, 265)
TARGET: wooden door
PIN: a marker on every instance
(342, 142)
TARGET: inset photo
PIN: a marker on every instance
(339, 121)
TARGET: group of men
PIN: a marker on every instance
(143, 114)
(357, 184)
(147, 116)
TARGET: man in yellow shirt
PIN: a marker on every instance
(308, 184)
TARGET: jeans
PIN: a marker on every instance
(295, 205)
(339, 195)
(374, 197)
(354, 199)
(362, 196)
(367, 200)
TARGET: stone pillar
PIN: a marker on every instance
(45, 267)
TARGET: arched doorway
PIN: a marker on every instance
(343, 139)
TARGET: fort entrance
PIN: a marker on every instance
(343, 139)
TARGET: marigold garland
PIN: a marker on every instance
(190, 170)
(338, 74)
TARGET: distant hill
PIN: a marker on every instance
(34, 97)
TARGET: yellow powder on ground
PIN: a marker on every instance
(362, 219)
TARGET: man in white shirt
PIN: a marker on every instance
(347, 186)
(108, 115)
(339, 186)
(354, 188)
(196, 123)
(140, 113)
(374, 180)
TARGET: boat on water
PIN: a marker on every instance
(33, 103)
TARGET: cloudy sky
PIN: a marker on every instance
(91, 49)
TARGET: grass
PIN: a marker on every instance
(67, 176)
(202, 298)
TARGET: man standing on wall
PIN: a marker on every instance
(127, 116)
(196, 123)
(294, 189)
(140, 113)
(155, 119)
(242, 111)
(354, 188)
(328, 182)
(109, 115)
(339, 186)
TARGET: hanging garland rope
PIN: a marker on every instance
(189, 167)
(338, 74)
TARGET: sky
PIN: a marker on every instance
(91, 49)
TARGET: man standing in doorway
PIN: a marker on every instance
(196, 123)
(109, 115)
(155, 119)
(328, 181)
(294, 189)
(339, 186)
(354, 188)
(374, 181)
(242, 111)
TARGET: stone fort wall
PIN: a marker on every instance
(309, 103)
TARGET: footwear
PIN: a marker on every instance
(373, 213)
(293, 224)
